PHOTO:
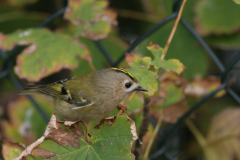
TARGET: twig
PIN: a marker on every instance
(126, 102)
(154, 135)
(143, 128)
(92, 66)
(173, 30)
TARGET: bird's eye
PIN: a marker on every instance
(128, 85)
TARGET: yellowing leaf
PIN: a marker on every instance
(237, 1)
(92, 18)
(11, 150)
(174, 65)
(171, 64)
(140, 69)
(47, 53)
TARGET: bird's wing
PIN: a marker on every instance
(61, 91)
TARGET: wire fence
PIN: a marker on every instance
(7, 67)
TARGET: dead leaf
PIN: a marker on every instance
(223, 137)
(200, 87)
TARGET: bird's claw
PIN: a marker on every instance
(121, 109)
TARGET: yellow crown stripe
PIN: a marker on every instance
(124, 71)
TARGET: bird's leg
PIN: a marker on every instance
(121, 108)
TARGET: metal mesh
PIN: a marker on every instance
(8, 67)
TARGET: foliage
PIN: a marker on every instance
(42, 41)
(113, 138)
(174, 82)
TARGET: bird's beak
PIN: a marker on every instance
(139, 88)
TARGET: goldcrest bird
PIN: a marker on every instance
(90, 96)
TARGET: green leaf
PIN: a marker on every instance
(92, 18)
(183, 47)
(171, 64)
(112, 139)
(26, 123)
(224, 41)
(157, 53)
(173, 94)
(47, 53)
(217, 16)
(139, 69)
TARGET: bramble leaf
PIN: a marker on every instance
(225, 20)
(47, 53)
(170, 64)
(174, 65)
(140, 69)
(231, 41)
(92, 18)
(112, 139)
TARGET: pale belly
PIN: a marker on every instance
(87, 114)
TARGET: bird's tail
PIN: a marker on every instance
(30, 90)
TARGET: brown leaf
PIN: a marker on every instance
(129, 58)
(63, 137)
(156, 46)
(173, 112)
(54, 133)
(224, 135)
(200, 87)
(42, 153)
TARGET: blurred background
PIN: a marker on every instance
(216, 21)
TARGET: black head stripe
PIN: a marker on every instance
(123, 71)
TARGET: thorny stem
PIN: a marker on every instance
(126, 102)
(173, 30)
(143, 128)
(154, 135)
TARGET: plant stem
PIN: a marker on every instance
(92, 66)
(199, 137)
(154, 135)
(173, 30)
(126, 102)
(143, 128)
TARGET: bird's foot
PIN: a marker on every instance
(121, 108)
